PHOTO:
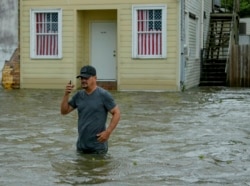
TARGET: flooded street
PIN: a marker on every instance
(197, 137)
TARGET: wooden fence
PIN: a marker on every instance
(238, 70)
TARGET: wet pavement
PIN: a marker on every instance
(197, 137)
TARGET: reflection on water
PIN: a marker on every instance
(198, 137)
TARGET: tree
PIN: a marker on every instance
(244, 7)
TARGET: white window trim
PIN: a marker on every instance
(134, 30)
(32, 33)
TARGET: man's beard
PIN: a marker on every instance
(84, 85)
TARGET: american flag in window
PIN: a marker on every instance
(46, 34)
(149, 32)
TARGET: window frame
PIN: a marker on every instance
(33, 13)
(135, 54)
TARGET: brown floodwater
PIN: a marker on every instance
(197, 137)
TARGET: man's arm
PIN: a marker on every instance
(65, 107)
(104, 136)
(114, 120)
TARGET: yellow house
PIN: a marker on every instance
(134, 45)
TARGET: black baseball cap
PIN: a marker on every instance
(87, 71)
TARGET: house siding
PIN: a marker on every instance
(133, 74)
(145, 74)
(192, 62)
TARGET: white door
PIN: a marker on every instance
(103, 50)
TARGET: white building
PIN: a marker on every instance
(244, 38)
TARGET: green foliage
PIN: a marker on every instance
(201, 157)
(227, 4)
(244, 7)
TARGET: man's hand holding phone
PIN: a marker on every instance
(69, 88)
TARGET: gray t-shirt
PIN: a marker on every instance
(92, 116)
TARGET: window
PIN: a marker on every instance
(46, 34)
(149, 31)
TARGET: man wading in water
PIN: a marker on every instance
(93, 104)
